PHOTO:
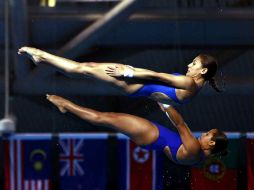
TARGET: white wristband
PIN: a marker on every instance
(129, 72)
(165, 106)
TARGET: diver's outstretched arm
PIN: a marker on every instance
(190, 143)
(182, 82)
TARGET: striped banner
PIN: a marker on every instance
(26, 164)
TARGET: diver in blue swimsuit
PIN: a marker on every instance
(173, 88)
(152, 88)
(181, 146)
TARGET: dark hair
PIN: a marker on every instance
(211, 64)
(221, 143)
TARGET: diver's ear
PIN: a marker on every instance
(204, 71)
(211, 143)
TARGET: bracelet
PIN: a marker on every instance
(129, 72)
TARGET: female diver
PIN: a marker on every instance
(161, 87)
(181, 147)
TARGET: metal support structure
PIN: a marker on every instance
(141, 15)
(89, 35)
(8, 123)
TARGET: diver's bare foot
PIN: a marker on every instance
(34, 54)
(58, 101)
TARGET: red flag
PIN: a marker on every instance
(141, 168)
(250, 157)
(213, 175)
(201, 182)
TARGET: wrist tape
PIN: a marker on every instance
(129, 72)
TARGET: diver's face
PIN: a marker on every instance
(195, 67)
(206, 138)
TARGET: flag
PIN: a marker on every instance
(250, 166)
(28, 162)
(138, 168)
(83, 161)
(218, 172)
(213, 176)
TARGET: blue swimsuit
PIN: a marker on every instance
(168, 138)
(150, 88)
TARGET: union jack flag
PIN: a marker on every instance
(83, 161)
(71, 157)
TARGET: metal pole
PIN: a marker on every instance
(6, 58)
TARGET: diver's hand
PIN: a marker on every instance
(115, 71)
(120, 70)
